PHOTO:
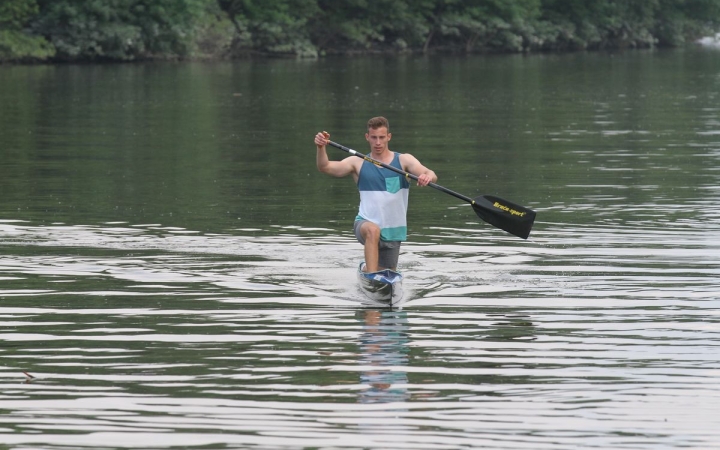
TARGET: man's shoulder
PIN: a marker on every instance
(355, 162)
(406, 158)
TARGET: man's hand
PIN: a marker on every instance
(321, 139)
(426, 178)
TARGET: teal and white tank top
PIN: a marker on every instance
(384, 199)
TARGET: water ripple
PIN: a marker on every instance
(601, 334)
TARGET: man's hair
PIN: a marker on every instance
(378, 122)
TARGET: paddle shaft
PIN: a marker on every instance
(401, 172)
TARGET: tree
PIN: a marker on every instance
(118, 29)
(618, 24)
(680, 21)
(16, 42)
(271, 26)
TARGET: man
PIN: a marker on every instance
(381, 224)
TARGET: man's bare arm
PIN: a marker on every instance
(412, 165)
(340, 168)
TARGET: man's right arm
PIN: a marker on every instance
(341, 168)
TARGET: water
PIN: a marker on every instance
(175, 273)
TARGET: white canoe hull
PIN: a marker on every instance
(384, 286)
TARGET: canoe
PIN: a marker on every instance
(384, 286)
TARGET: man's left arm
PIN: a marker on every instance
(412, 165)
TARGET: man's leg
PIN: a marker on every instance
(371, 235)
(388, 255)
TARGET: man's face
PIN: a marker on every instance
(378, 139)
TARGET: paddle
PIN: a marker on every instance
(511, 217)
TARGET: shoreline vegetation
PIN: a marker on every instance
(56, 31)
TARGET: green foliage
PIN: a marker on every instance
(118, 29)
(619, 24)
(214, 33)
(680, 21)
(139, 29)
(360, 25)
(15, 42)
(484, 24)
(271, 26)
(19, 46)
(15, 13)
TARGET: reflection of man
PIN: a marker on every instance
(384, 348)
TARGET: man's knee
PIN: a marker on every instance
(371, 232)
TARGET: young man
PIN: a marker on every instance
(381, 224)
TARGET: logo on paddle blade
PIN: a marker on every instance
(508, 209)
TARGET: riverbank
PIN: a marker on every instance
(136, 30)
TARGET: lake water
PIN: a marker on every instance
(175, 273)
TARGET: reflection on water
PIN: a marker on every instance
(383, 347)
(136, 333)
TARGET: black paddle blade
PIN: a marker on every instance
(513, 218)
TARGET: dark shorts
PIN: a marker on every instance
(389, 251)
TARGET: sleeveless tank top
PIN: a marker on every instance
(384, 199)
